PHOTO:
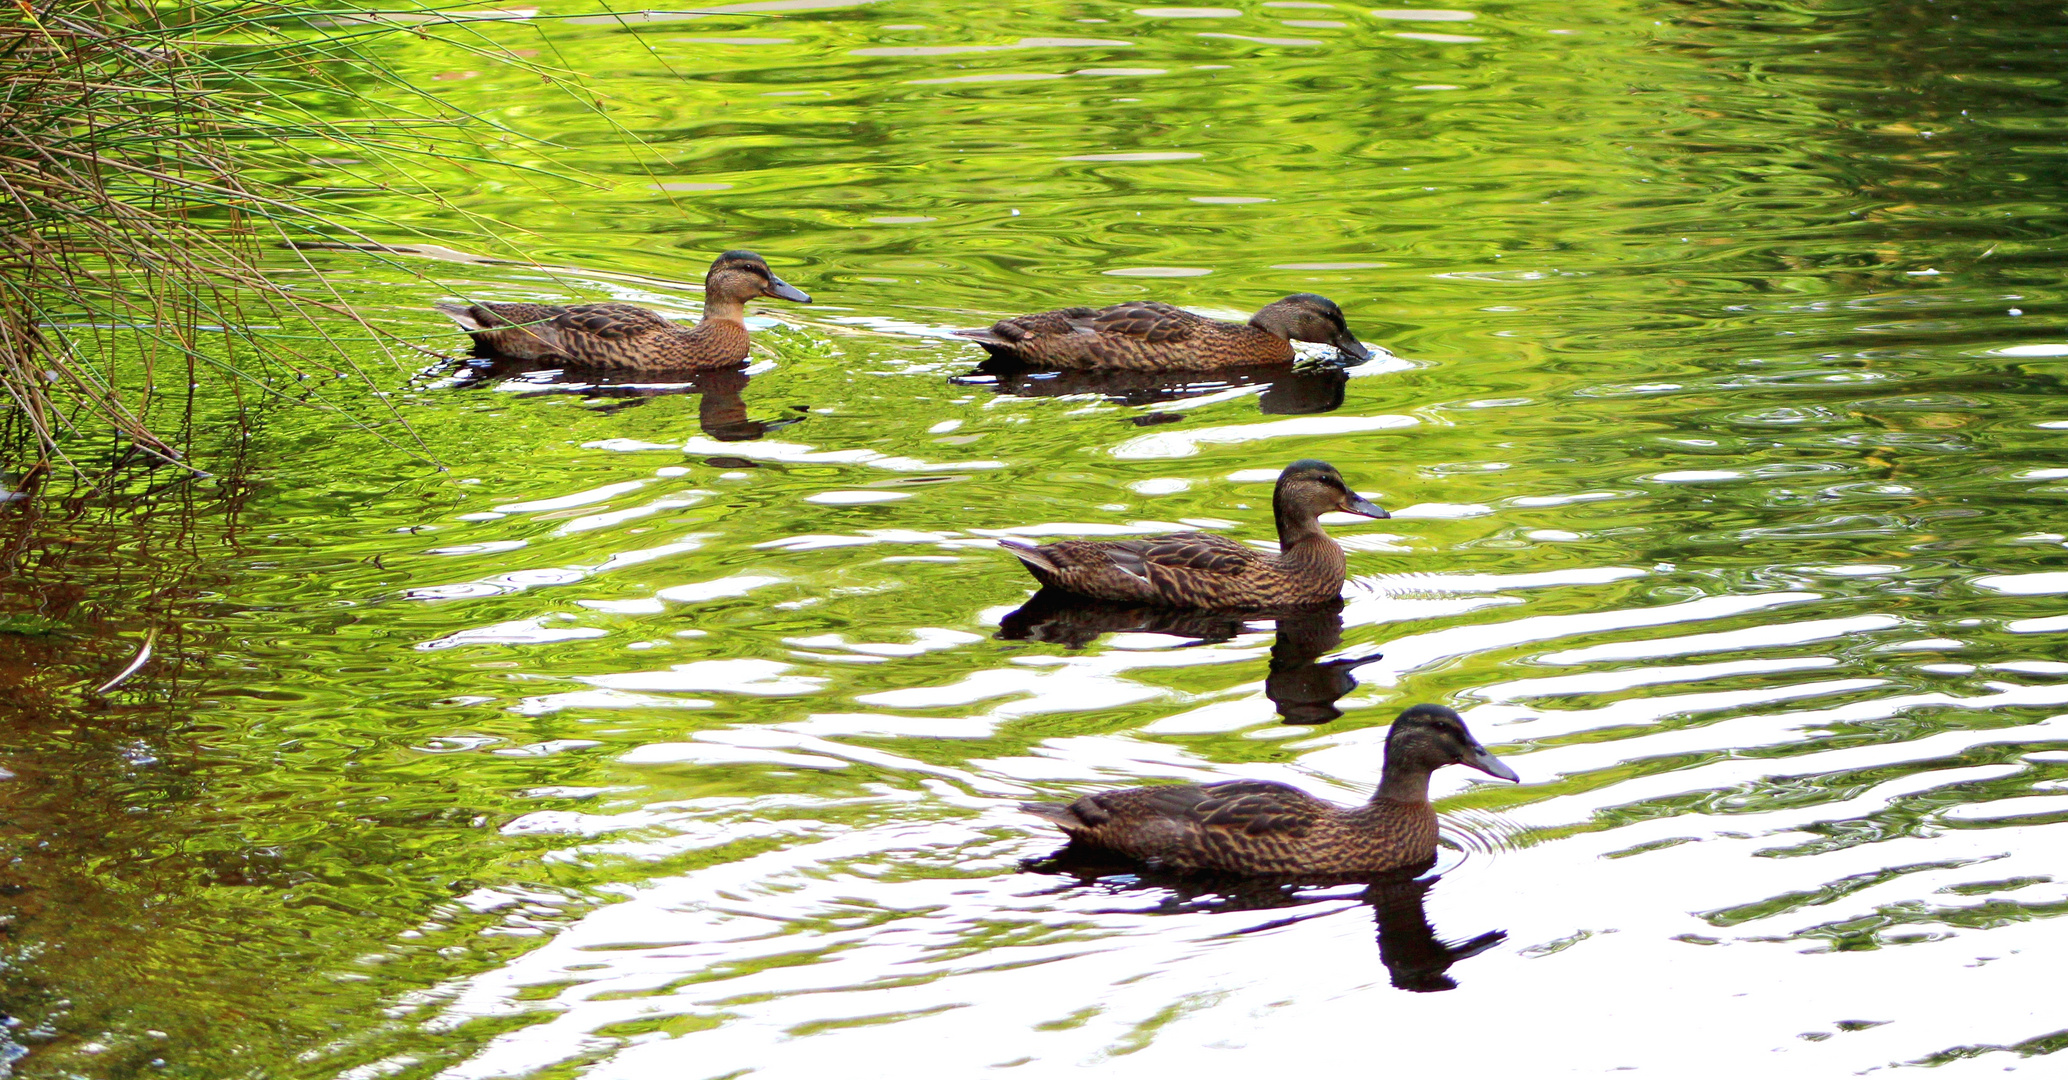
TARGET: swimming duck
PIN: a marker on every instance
(1143, 335)
(1259, 827)
(1201, 570)
(625, 336)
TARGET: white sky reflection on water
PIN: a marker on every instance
(839, 955)
(1734, 532)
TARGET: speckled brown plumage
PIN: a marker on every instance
(626, 337)
(1143, 335)
(1201, 570)
(1259, 827)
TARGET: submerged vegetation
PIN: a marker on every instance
(151, 157)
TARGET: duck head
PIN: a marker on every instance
(1308, 489)
(1307, 317)
(739, 276)
(1427, 737)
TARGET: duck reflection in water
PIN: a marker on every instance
(1287, 392)
(1302, 687)
(721, 410)
(1416, 959)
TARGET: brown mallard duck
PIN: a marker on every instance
(625, 336)
(1201, 570)
(1262, 828)
(1143, 335)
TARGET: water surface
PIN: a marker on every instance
(668, 731)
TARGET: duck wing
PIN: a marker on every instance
(1021, 329)
(1204, 553)
(1260, 808)
(611, 322)
(516, 330)
(546, 331)
(1248, 826)
(1189, 569)
(1250, 807)
(1183, 568)
(1148, 320)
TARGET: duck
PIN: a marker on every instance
(1144, 335)
(1261, 828)
(626, 337)
(1202, 570)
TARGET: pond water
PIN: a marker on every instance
(668, 730)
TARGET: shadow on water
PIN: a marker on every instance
(721, 406)
(1285, 392)
(1416, 959)
(107, 610)
(141, 853)
(1302, 687)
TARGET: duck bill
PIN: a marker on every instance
(1352, 348)
(783, 290)
(1360, 505)
(1490, 765)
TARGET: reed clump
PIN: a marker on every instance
(149, 159)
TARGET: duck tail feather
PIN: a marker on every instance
(1054, 813)
(1034, 557)
(463, 314)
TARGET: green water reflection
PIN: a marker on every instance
(1715, 320)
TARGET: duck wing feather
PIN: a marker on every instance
(1252, 825)
(1203, 552)
(1251, 807)
(1148, 320)
(612, 322)
(1260, 808)
(1182, 568)
(1024, 328)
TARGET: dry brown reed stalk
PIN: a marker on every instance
(110, 160)
(142, 151)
